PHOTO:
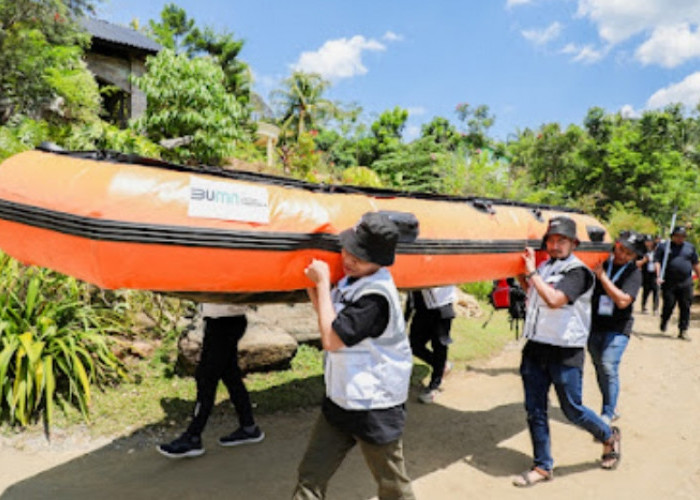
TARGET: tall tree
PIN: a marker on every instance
(188, 99)
(301, 103)
(178, 32)
(174, 28)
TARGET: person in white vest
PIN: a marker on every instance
(368, 364)
(433, 312)
(224, 325)
(557, 326)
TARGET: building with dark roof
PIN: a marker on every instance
(115, 54)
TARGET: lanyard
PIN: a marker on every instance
(619, 271)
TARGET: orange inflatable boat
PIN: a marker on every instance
(120, 221)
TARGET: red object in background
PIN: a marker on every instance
(500, 297)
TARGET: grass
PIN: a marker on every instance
(156, 399)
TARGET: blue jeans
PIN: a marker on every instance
(606, 349)
(538, 375)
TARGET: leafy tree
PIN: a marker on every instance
(41, 69)
(478, 121)
(387, 130)
(178, 32)
(174, 29)
(301, 103)
(440, 131)
(188, 99)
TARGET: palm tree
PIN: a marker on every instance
(302, 103)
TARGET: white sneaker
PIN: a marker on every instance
(427, 396)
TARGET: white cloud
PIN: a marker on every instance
(686, 92)
(628, 111)
(670, 46)
(618, 20)
(341, 58)
(416, 110)
(584, 54)
(541, 37)
(410, 133)
(515, 3)
(390, 36)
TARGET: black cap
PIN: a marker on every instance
(563, 226)
(679, 230)
(633, 241)
(373, 239)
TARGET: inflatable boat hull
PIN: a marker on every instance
(140, 224)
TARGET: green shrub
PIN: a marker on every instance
(479, 289)
(21, 133)
(52, 346)
(361, 176)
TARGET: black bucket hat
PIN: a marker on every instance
(563, 226)
(680, 230)
(373, 239)
(633, 241)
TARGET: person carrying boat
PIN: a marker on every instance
(617, 284)
(432, 314)
(557, 326)
(368, 364)
(676, 279)
(224, 325)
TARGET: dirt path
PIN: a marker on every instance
(465, 446)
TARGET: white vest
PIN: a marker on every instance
(567, 326)
(374, 373)
(437, 297)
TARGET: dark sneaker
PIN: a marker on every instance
(182, 447)
(683, 335)
(240, 436)
(662, 327)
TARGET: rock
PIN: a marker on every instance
(298, 320)
(264, 346)
(467, 306)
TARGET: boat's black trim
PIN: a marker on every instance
(129, 232)
(480, 203)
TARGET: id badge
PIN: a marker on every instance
(605, 306)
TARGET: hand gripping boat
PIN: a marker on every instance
(121, 221)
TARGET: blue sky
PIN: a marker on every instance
(530, 61)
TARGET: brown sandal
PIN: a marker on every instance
(611, 459)
(525, 480)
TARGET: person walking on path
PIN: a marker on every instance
(677, 279)
(647, 264)
(368, 364)
(432, 314)
(618, 282)
(224, 325)
(557, 326)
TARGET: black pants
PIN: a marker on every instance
(681, 293)
(650, 286)
(219, 361)
(428, 326)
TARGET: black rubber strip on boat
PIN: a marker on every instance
(129, 232)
